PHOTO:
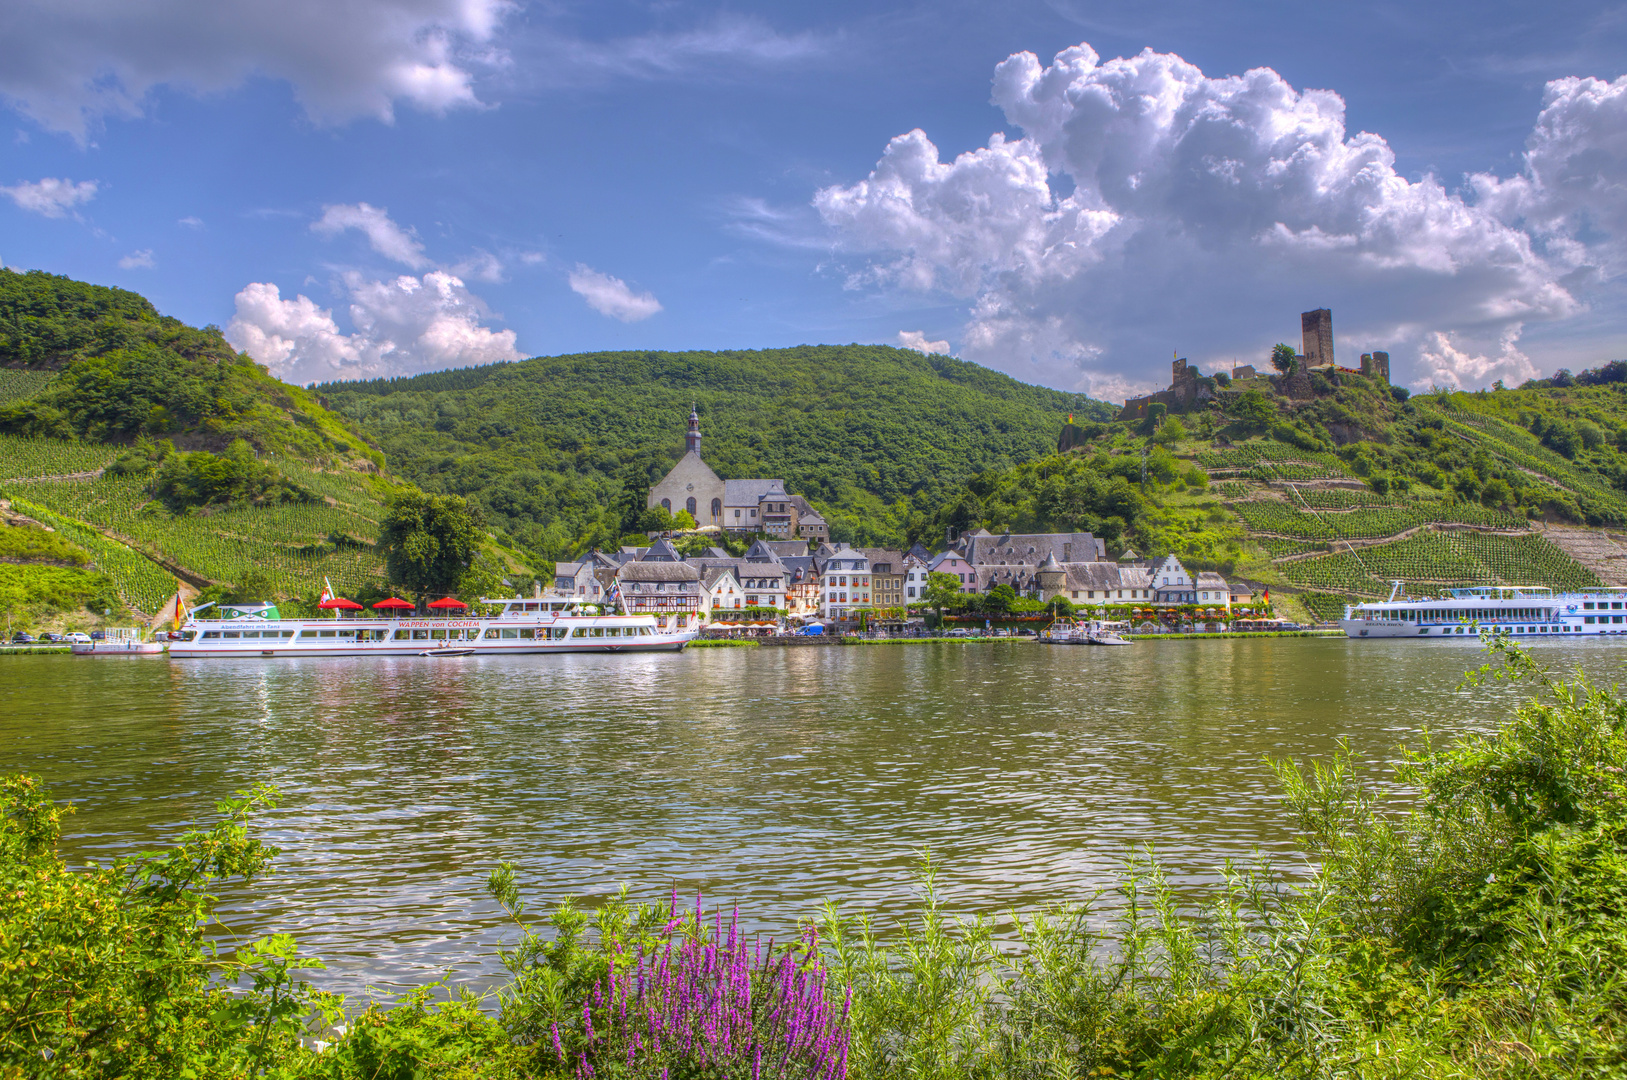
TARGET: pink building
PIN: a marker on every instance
(951, 563)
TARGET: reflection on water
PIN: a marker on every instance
(778, 777)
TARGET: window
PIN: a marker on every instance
(666, 504)
(737, 514)
(717, 508)
(690, 506)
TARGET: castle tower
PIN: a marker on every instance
(1376, 365)
(1316, 331)
(1051, 577)
(693, 440)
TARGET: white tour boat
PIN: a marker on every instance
(544, 624)
(1518, 610)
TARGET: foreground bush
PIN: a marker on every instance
(1475, 927)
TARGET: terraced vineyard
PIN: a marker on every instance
(140, 582)
(1281, 518)
(21, 457)
(1282, 549)
(1442, 559)
(1518, 447)
(1274, 461)
(288, 543)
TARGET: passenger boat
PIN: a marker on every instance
(1522, 611)
(544, 624)
(1092, 632)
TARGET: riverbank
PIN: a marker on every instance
(33, 650)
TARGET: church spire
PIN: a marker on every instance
(694, 437)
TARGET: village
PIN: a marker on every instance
(793, 579)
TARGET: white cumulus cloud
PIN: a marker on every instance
(916, 339)
(138, 260)
(1148, 207)
(611, 296)
(69, 64)
(400, 326)
(51, 197)
(386, 237)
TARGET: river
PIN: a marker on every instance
(777, 778)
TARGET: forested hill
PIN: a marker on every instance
(561, 450)
(99, 364)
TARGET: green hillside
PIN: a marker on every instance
(1339, 495)
(562, 450)
(165, 455)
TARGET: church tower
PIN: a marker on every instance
(693, 440)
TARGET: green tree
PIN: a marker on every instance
(1170, 432)
(428, 542)
(1254, 408)
(1282, 358)
(999, 599)
(942, 590)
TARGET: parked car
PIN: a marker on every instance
(50, 638)
(22, 637)
(98, 635)
(77, 637)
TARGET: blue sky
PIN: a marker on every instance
(391, 186)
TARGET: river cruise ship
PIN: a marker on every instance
(1520, 611)
(546, 624)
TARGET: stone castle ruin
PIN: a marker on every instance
(1188, 388)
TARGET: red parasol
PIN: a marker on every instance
(341, 603)
(447, 602)
(394, 604)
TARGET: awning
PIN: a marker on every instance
(340, 603)
(447, 603)
(394, 604)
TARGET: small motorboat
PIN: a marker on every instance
(1105, 634)
(447, 652)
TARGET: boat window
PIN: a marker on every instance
(526, 634)
(420, 635)
(233, 634)
(328, 633)
(558, 632)
(598, 631)
(209, 635)
(437, 635)
(580, 631)
(403, 635)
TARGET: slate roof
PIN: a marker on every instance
(1105, 575)
(749, 492)
(785, 548)
(885, 561)
(712, 574)
(1031, 548)
(661, 551)
(659, 571)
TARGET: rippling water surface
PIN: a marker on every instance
(778, 777)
